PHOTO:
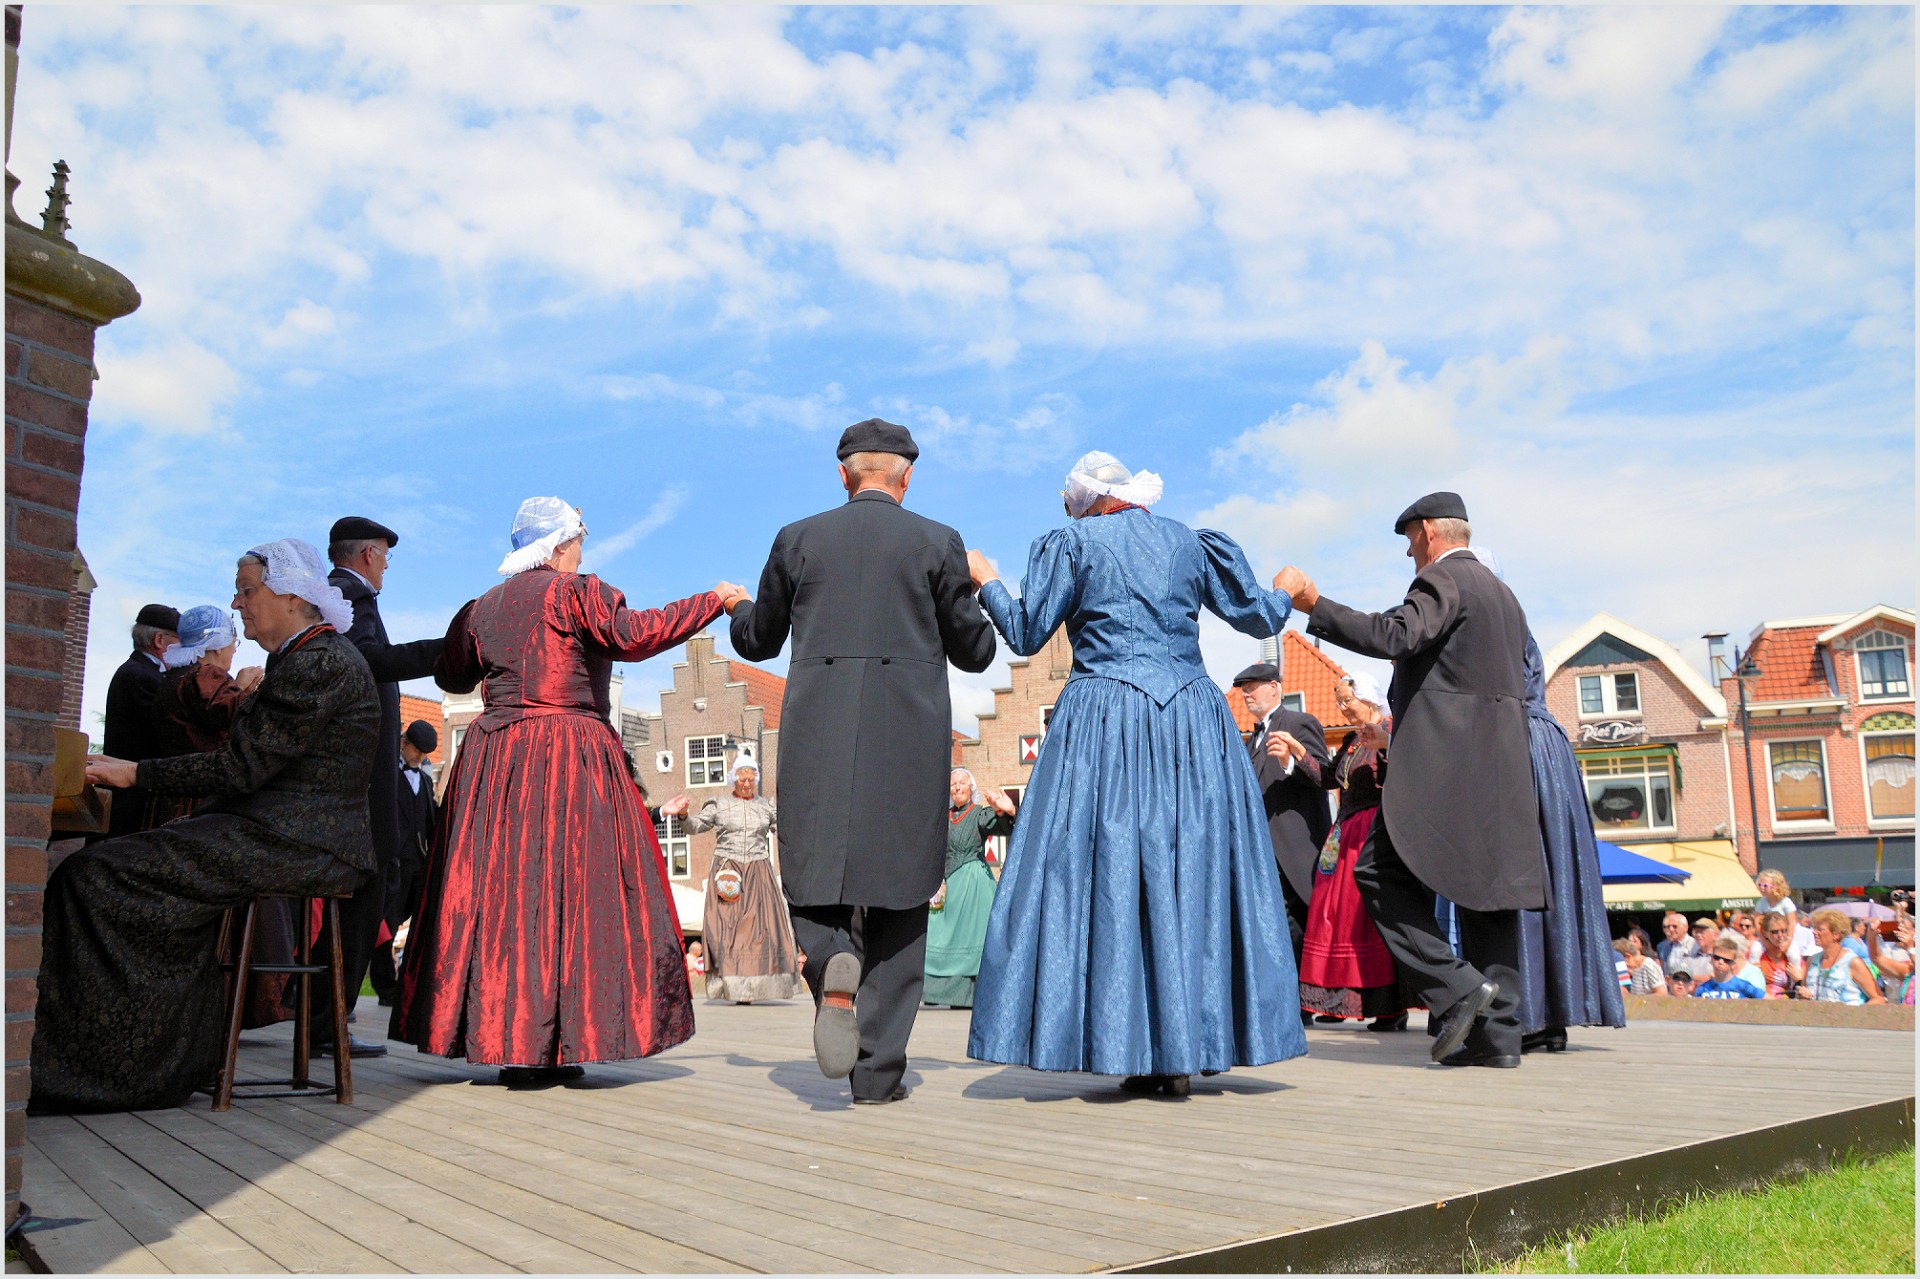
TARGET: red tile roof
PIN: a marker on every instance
(412, 708)
(1790, 666)
(764, 689)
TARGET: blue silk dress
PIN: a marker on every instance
(1139, 927)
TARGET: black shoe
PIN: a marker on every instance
(1551, 1040)
(1306, 1018)
(899, 1093)
(353, 1016)
(1209, 1074)
(1481, 1057)
(1177, 1086)
(356, 1047)
(1171, 1085)
(1328, 1019)
(539, 1076)
(1459, 1019)
(1388, 1024)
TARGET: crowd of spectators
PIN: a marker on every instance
(1776, 952)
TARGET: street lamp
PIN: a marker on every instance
(1742, 670)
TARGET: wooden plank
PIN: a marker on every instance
(71, 1233)
(181, 1238)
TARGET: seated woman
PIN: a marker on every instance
(546, 936)
(130, 1014)
(1134, 928)
(750, 950)
(197, 699)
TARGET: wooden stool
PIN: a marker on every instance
(241, 967)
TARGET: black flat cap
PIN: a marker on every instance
(876, 436)
(1258, 673)
(1434, 506)
(357, 528)
(158, 615)
(421, 734)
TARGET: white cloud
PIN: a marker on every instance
(1045, 431)
(174, 387)
(303, 322)
(600, 550)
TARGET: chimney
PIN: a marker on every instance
(1715, 663)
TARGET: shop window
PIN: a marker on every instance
(706, 761)
(676, 841)
(1629, 793)
(1883, 665)
(1798, 771)
(1616, 694)
(1889, 758)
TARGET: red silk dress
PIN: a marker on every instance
(547, 933)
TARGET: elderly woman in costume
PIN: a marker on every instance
(1141, 878)
(546, 936)
(1346, 970)
(958, 913)
(130, 1012)
(750, 950)
(197, 697)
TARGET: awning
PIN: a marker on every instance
(1857, 862)
(1618, 866)
(1653, 750)
(691, 903)
(1715, 880)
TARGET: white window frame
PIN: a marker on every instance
(1883, 642)
(1826, 781)
(1645, 775)
(998, 844)
(1293, 702)
(676, 837)
(1609, 695)
(1866, 783)
(688, 761)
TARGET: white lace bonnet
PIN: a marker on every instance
(203, 628)
(295, 568)
(1104, 475)
(541, 526)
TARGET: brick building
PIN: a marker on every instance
(1827, 750)
(57, 300)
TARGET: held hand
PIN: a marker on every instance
(1298, 586)
(980, 570)
(730, 594)
(675, 807)
(249, 677)
(104, 770)
(999, 800)
(1281, 743)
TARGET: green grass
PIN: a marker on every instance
(1854, 1219)
(366, 988)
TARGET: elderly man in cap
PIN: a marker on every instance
(407, 876)
(130, 729)
(878, 601)
(360, 551)
(1290, 761)
(1458, 815)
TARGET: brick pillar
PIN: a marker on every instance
(57, 299)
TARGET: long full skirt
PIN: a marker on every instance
(1567, 975)
(547, 933)
(132, 999)
(1139, 926)
(956, 933)
(1346, 969)
(750, 950)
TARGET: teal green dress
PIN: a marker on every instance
(957, 930)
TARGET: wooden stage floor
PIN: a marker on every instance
(731, 1153)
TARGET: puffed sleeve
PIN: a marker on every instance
(705, 817)
(599, 613)
(1235, 594)
(457, 669)
(1047, 595)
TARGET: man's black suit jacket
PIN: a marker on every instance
(1298, 817)
(131, 734)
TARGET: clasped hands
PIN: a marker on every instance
(1282, 745)
(730, 594)
(1298, 586)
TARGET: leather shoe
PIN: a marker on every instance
(1171, 1085)
(1388, 1023)
(1459, 1019)
(1481, 1057)
(356, 1047)
(899, 1093)
(539, 1076)
(836, 1027)
(1551, 1040)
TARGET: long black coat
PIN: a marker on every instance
(390, 663)
(131, 735)
(878, 601)
(1459, 802)
(1298, 817)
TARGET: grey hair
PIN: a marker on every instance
(888, 468)
(143, 636)
(344, 552)
(313, 610)
(1452, 531)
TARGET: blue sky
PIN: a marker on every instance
(1637, 282)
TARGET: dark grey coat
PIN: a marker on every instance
(878, 601)
(131, 734)
(1459, 802)
(390, 663)
(1298, 817)
(296, 759)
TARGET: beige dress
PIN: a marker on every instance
(750, 949)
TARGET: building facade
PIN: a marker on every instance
(1824, 748)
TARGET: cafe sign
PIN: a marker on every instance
(1612, 732)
